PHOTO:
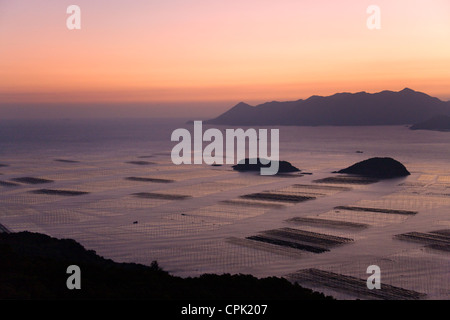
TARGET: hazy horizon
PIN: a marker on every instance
(200, 110)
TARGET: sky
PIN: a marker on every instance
(178, 57)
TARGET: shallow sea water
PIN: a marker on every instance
(208, 230)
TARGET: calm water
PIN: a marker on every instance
(208, 231)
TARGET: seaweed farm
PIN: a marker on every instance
(59, 192)
(144, 179)
(66, 161)
(347, 180)
(439, 239)
(327, 223)
(376, 210)
(356, 286)
(300, 239)
(268, 196)
(153, 195)
(366, 215)
(321, 229)
(32, 180)
(140, 163)
(8, 184)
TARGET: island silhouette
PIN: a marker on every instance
(436, 123)
(381, 168)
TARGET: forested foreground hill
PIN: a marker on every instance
(34, 266)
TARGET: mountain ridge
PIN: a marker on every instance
(340, 109)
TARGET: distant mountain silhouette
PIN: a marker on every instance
(437, 123)
(341, 109)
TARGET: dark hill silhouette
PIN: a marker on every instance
(380, 168)
(33, 266)
(437, 123)
(383, 108)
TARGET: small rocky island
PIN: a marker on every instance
(437, 123)
(245, 165)
(380, 168)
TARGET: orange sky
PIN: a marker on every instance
(207, 50)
